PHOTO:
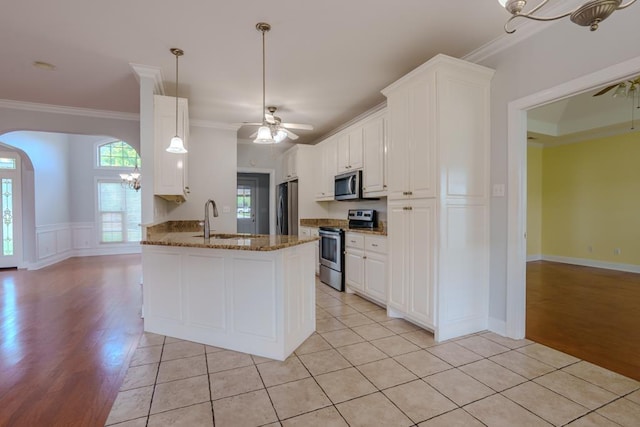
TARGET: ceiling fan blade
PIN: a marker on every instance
(300, 126)
(248, 124)
(253, 135)
(606, 89)
(290, 134)
(270, 118)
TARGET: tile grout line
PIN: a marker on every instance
(206, 364)
(155, 382)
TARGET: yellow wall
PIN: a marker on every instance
(591, 199)
(534, 200)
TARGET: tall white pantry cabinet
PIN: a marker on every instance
(438, 196)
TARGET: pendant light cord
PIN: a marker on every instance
(264, 120)
(177, 94)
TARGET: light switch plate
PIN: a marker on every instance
(498, 190)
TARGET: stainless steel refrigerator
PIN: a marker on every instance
(287, 208)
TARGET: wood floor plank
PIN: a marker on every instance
(67, 333)
(590, 313)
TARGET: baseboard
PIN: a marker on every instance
(498, 326)
(631, 268)
(535, 257)
(46, 262)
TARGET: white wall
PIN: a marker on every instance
(561, 52)
(212, 171)
(258, 156)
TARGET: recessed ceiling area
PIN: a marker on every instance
(582, 117)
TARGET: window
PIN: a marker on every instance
(244, 202)
(117, 154)
(118, 212)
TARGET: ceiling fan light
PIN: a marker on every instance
(176, 146)
(279, 136)
(264, 136)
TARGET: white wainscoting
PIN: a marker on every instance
(57, 242)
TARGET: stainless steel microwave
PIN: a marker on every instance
(348, 186)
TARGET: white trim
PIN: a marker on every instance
(213, 125)
(149, 72)
(498, 326)
(517, 180)
(135, 249)
(73, 111)
(631, 268)
(272, 193)
(535, 257)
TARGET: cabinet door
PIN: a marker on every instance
(343, 152)
(373, 176)
(398, 145)
(355, 149)
(329, 169)
(354, 269)
(422, 139)
(421, 251)
(375, 274)
(397, 243)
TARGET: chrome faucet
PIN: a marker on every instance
(207, 226)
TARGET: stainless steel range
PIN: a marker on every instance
(332, 257)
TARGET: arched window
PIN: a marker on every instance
(117, 154)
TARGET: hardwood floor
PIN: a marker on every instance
(590, 313)
(67, 333)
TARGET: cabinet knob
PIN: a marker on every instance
(384, 186)
(187, 190)
(364, 257)
(375, 245)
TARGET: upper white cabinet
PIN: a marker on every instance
(350, 150)
(170, 170)
(374, 141)
(438, 196)
(328, 169)
(290, 164)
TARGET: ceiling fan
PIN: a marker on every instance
(622, 89)
(279, 130)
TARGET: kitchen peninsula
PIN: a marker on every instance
(249, 293)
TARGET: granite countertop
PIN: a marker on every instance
(381, 230)
(189, 234)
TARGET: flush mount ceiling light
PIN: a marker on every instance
(590, 14)
(177, 145)
(41, 65)
(264, 132)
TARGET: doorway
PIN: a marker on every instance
(10, 206)
(252, 209)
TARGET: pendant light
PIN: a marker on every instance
(177, 145)
(264, 132)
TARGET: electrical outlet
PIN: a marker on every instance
(617, 251)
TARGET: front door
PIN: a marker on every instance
(246, 205)
(10, 203)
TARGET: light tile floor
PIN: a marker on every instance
(362, 368)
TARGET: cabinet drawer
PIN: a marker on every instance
(375, 244)
(354, 240)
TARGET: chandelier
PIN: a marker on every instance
(132, 180)
(590, 14)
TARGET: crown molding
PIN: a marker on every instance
(213, 125)
(524, 29)
(72, 111)
(369, 112)
(149, 72)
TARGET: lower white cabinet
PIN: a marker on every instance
(313, 232)
(366, 265)
(411, 253)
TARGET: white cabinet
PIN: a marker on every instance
(350, 150)
(412, 232)
(374, 175)
(290, 164)
(438, 196)
(313, 232)
(366, 265)
(328, 169)
(170, 170)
